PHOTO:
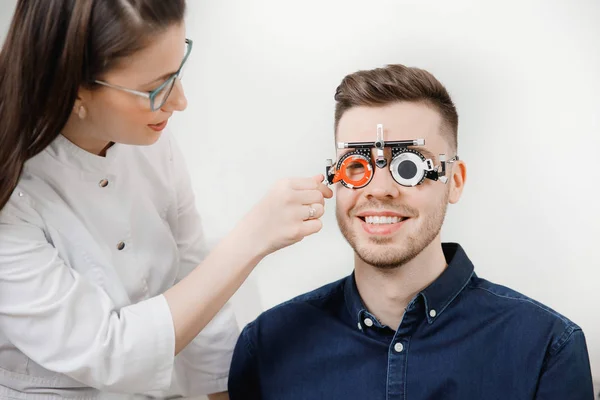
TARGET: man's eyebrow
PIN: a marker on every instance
(423, 151)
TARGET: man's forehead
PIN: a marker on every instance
(401, 121)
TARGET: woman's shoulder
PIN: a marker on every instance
(20, 208)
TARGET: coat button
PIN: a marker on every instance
(103, 183)
(120, 245)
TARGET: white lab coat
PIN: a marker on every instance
(87, 246)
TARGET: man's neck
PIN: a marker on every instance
(386, 293)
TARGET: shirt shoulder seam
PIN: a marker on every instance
(562, 341)
(525, 299)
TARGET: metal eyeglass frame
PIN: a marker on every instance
(152, 95)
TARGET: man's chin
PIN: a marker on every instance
(382, 255)
(379, 243)
(382, 263)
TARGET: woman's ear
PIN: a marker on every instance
(79, 107)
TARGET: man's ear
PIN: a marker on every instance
(457, 181)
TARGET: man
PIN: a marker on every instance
(413, 321)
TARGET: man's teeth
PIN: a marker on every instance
(383, 220)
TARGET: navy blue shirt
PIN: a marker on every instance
(460, 338)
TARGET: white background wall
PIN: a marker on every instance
(525, 76)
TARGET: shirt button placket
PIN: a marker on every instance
(396, 370)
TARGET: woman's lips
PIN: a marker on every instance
(158, 127)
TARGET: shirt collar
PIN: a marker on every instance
(440, 293)
(353, 301)
(437, 296)
(67, 152)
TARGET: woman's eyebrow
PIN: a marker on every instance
(160, 78)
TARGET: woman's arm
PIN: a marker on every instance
(275, 222)
(67, 323)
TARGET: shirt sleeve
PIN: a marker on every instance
(566, 373)
(244, 381)
(203, 366)
(67, 324)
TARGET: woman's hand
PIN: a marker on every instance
(289, 212)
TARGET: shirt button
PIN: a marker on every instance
(398, 347)
(432, 313)
(103, 183)
(120, 245)
(359, 326)
(368, 322)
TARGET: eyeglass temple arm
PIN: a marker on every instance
(329, 172)
(442, 174)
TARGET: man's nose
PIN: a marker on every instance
(382, 185)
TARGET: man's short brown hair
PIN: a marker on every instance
(395, 83)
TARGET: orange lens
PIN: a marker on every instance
(355, 171)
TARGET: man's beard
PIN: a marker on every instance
(383, 252)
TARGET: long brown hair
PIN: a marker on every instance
(54, 47)
(394, 83)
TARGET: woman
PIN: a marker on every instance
(105, 286)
